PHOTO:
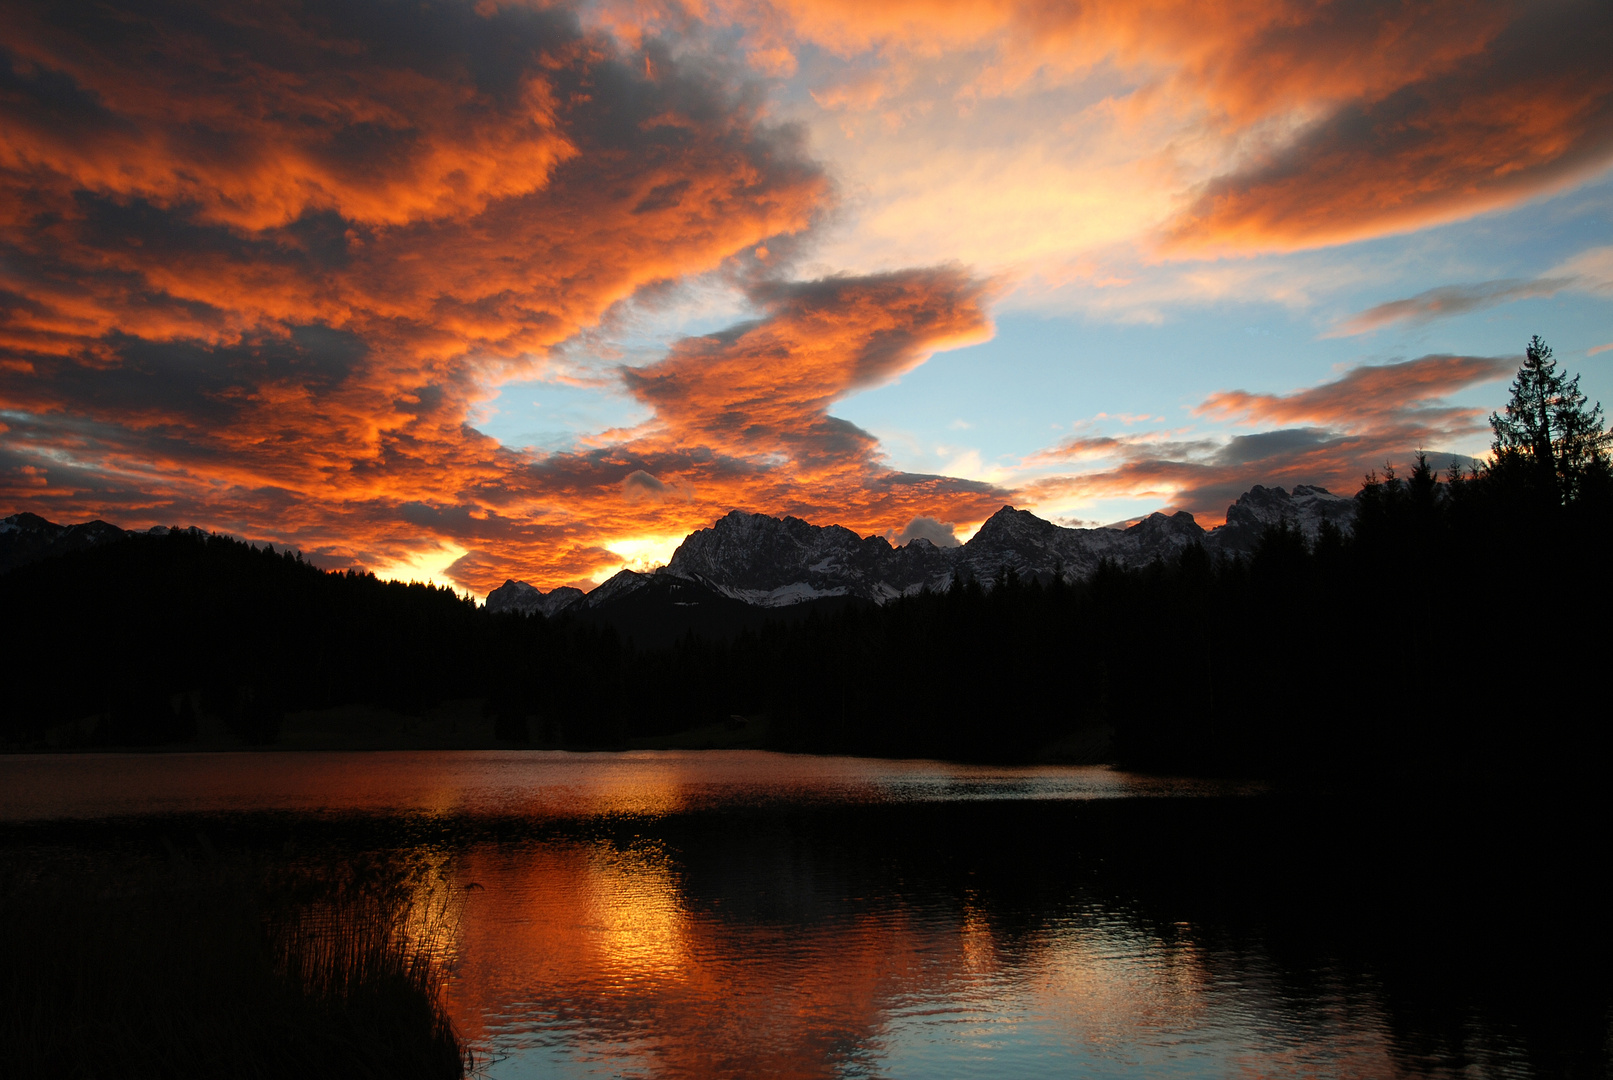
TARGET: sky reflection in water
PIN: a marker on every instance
(534, 784)
(584, 961)
(758, 915)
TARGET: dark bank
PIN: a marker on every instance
(136, 959)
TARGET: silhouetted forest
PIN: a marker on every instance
(119, 631)
(1456, 627)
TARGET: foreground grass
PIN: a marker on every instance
(219, 968)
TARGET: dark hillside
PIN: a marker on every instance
(27, 538)
(116, 632)
(666, 609)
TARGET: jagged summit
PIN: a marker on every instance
(1011, 523)
(619, 584)
(1029, 545)
(1306, 507)
(774, 561)
(527, 599)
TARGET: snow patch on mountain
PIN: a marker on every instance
(773, 562)
(1305, 508)
(518, 596)
(777, 561)
(619, 584)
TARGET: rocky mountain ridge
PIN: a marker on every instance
(27, 538)
(527, 599)
(776, 562)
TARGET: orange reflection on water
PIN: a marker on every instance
(592, 958)
(596, 949)
(744, 914)
(528, 784)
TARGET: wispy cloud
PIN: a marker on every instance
(1449, 300)
(1590, 271)
(1328, 435)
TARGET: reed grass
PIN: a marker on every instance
(227, 969)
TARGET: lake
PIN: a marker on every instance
(736, 914)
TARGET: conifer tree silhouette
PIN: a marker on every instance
(1546, 437)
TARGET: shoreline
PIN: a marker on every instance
(460, 725)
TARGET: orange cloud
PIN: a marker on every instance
(1505, 104)
(741, 421)
(766, 386)
(188, 104)
(1302, 124)
(257, 266)
(1367, 395)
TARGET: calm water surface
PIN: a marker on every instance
(744, 914)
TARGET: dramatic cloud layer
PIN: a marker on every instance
(741, 421)
(1464, 107)
(1292, 123)
(259, 264)
(263, 265)
(765, 387)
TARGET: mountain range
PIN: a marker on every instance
(769, 562)
(26, 538)
(747, 570)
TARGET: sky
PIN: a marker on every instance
(467, 292)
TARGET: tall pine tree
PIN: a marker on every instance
(1546, 437)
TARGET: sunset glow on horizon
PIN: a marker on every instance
(463, 292)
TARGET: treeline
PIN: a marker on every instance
(1457, 626)
(140, 635)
